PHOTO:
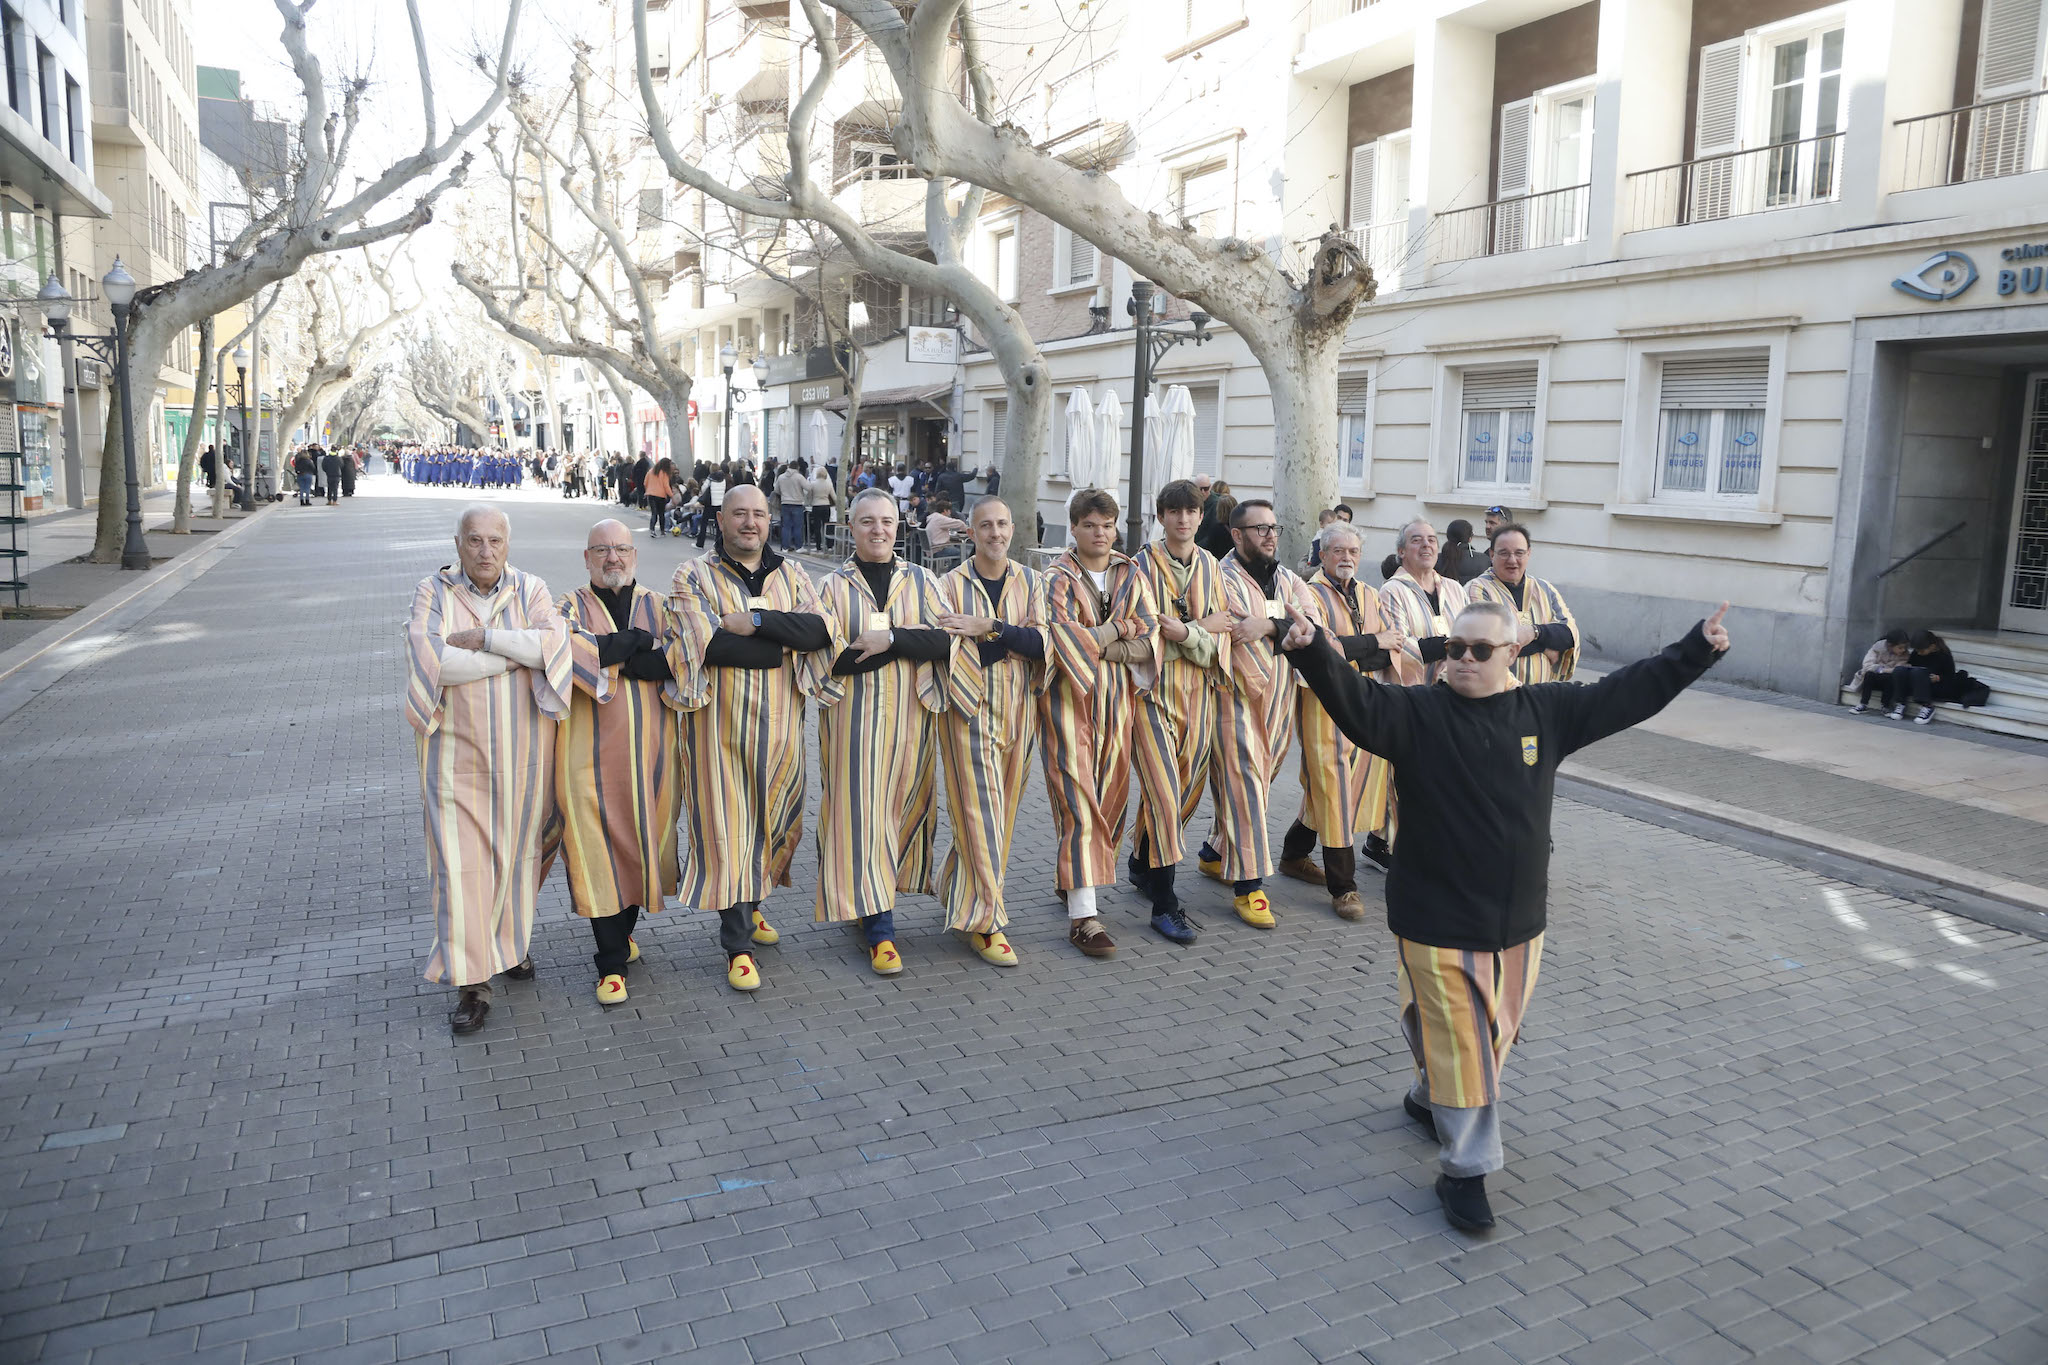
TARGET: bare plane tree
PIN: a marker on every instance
(312, 215)
(339, 331)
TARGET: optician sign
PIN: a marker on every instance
(1948, 275)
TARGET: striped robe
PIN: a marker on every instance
(987, 751)
(1188, 697)
(487, 767)
(1102, 721)
(742, 734)
(1404, 604)
(1343, 787)
(618, 795)
(1542, 605)
(878, 734)
(1461, 1012)
(1254, 723)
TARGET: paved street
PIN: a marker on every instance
(1755, 1113)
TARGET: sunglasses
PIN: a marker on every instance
(1482, 650)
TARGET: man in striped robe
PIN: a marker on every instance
(997, 609)
(1343, 788)
(750, 642)
(1194, 681)
(878, 730)
(1255, 724)
(1421, 604)
(1553, 655)
(1101, 718)
(488, 677)
(618, 796)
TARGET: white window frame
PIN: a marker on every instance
(1219, 160)
(993, 233)
(1359, 426)
(993, 406)
(1638, 492)
(1746, 190)
(1378, 230)
(1447, 431)
(2007, 139)
(1063, 240)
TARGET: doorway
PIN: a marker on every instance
(2023, 602)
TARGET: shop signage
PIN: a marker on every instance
(818, 391)
(611, 419)
(934, 346)
(1949, 275)
(88, 373)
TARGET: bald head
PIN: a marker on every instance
(609, 531)
(745, 495)
(610, 555)
(743, 523)
(483, 538)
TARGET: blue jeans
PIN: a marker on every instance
(792, 527)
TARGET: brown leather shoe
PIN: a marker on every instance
(468, 1014)
(1302, 870)
(1091, 938)
(523, 972)
(1350, 905)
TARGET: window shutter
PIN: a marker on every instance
(1719, 379)
(1717, 128)
(999, 429)
(1504, 386)
(1208, 428)
(1351, 394)
(2001, 137)
(1517, 134)
(1365, 165)
(1080, 260)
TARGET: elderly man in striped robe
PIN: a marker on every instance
(488, 677)
(1255, 725)
(1343, 787)
(878, 731)
(997, 608)
(1553, 655)
(618, 796)
(750, 643)
(1194, 681)
(1101, 718)
(1421, 604)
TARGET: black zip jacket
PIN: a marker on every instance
(1475, 778)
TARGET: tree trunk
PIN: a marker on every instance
(220, 436)
(1301, 373)
(1022, 460)
(181, 516)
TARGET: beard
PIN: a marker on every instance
(1255, 558)
(613, 579)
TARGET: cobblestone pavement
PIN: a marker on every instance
(1755, 1113)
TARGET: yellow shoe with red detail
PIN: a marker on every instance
(884, 958)
(994, 948)
(764, 932)
(1254, 909)
(611, 990)
(741, 974)
(632, 950)
(1212, 868)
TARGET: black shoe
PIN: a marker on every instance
(1141, 875)
(1173, 925)
(523, 972)
(468, 1014)
(1464, 1201)
(1377, 851)
(1421, 1113)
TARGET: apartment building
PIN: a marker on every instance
(145, 133)
(1736, 298)
(46, 181)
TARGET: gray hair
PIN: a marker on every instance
(869, 495)
(1496, 612)
(1401, 536)
(1344, 529)
(481, 509)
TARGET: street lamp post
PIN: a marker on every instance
(1154, 342)
(247, 501)
(761, 396)
(119, 288)
(727, 354)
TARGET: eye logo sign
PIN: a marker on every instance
(1940, 277)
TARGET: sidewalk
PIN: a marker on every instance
(1959, 808)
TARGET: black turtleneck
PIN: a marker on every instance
(632, 649)
(1359, 646)
(801, 632)
(912, 644)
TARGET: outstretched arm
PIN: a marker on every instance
(1371, 715)
(1628, 696)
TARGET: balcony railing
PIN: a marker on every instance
(1782, 175)
(1330, 11)
(1977, 142)
(1522, 222)
(1385, 246)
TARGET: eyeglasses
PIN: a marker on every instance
(620, 550)
(1261, 528)
(1482, 650)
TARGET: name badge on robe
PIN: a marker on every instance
(757, 604)
(878, 620)
(1275, 610)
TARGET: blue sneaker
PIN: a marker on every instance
(1173, 925)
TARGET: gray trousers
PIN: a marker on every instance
(1469, 1138)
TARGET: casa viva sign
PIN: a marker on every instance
(1948, 275)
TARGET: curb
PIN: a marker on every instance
(2019, 894)
(16, 690)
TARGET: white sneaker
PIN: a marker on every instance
(1896, 713)
(1926, 716)
(1859, 708)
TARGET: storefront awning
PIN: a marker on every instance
(882, 400)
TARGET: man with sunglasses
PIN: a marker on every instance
(1475, 765)
(1255, 718)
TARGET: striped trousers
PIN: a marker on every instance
(1461, 1013)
